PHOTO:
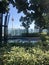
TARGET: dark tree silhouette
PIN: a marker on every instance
(34, 10)
(3, 9)
(26, 23)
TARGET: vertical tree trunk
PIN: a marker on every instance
(1, 19)
(5, 35)
(5, 30)
(27, 31)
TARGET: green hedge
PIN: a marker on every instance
(44, 36)
(30, 34)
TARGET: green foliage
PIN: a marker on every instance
(44, 37)
(21, 5)
(4, 6)
(33, 11)
(25, 23)
(16, 55)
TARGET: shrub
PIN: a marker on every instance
(16, 55)
(43, 36)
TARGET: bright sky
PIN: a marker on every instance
(16, 16)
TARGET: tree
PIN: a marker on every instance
(3, 9)
(45, 4)
(26, 23)
(36, 6)
(21, 5)
(6, 28)
(47, 21)
(36, 9)
(32, 9)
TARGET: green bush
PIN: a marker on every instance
(43, 36)
(18, 55)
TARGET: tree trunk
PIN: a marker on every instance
(27, 31)
(5, 34)
(5, 30)
(1, 19)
